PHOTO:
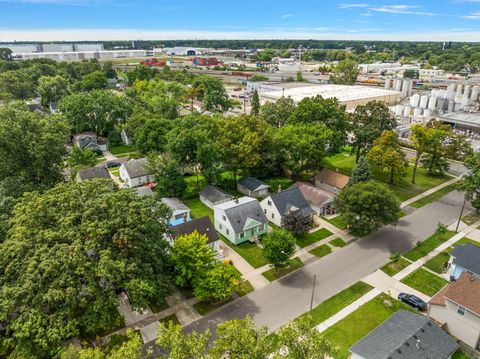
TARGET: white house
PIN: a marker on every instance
(180, 212)
(278, 205)
(135, 173)
(252, 187)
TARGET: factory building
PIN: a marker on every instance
(464, 123)
(81, 55)
(181, 51)
(387, 68)
(350, 96)
(37, 48)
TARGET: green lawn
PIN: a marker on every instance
(466, 240)
(425, 247)
(438, 263)
(434, 196)
(321, 251)
(243, 288)
(471, 218)
(424, 282)
(355, 326)
(403, 187)
(192, 187)
(338, 242)
(273, 274)
(276, 181)
(395, 266)
(339, 301)
(250, 252)
(460, 355)
(314, 237)
(198, 209)
(122, 149)
(339, 222)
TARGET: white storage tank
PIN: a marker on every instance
(424, 101)
(415, 100)
(451, 88)
(427, 114)
(388, 84)
(417, 112)
(475, 91)
(451, 105)
(399, 110)
(398, 85)
(406, 111)
(459, 89)
(467, 90)
(432, 102)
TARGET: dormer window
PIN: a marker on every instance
(224, 218)
(269, 203)
(461, 311)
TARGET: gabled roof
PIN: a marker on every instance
(406, 335)
(92, 173)
(465, 292)
(215, 194)
(252, 183)
(84, 134)
(467, 256)
(291, 200)
(202, 225)
(144, 191)
(136, 168)
(240, 212)
(175, 204)
(315, 196)
(332, 178)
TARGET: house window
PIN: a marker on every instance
(260, 228)
(269, 203)
(461, 311)
(228, 232)
(224, 218)
(220, 225)
(242, 235)
(273, 215)
(265, 211)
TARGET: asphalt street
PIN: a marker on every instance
(289, 297)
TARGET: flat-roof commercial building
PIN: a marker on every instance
(350, 96)
(464, 120)
(81, 55)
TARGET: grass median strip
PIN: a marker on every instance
(313, 237)
(321, 251)
(424, 282)
(338, 242)
(273, 274)
(425, 247)
(434, 196)
(395, 266)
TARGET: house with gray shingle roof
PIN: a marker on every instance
(92, 173)
(180, 212)
(252, 187)
(405, 335)
(278, 205)
(135, 173)
(464, 258)
(213, 195)
(240, 220)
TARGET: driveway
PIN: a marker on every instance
(289, 297)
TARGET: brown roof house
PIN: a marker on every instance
(330, 181)
(319, 199)
(457, 308)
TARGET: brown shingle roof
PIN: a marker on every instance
(332, 178)
(315, 196)
(465, 292)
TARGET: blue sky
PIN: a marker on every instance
(457, 20)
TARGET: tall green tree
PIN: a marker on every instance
(471, 181)
(152, 135)
(387, 155)
(278, 247)
(169, 179)
(79, 159)
(361, 173)
(32, 146)
(96, 80)
(5, 54)
(369, 121)
(324, 111)
(368, 206)
(52, 88)
(255, 104)
(345, 73)
(277, 113)
(212, 94)
(180, 345)
(16, 85)
(420, 136)
(68, 253)
(303, 146)
(192, 257)
(217, 283)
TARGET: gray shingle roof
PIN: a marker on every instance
(467, 256)
(252, 183)
(239, 215)
(291, 200)
(202, 225)
(215, 194)
(406, 335)
(137, 168)
(92, 173)
(175, 204)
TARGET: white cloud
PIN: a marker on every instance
(352, 6)
(7, 35)
(58, 2)
(401, 9)
(286, 16)
(473, 16)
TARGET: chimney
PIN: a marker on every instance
(236, 200)
(185, 218)
(279, 188)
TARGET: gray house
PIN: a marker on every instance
(464, 258)
(135, 173)
(213, 195)
(92, 173)
(180, 212)
(405, 335)
(252, 187)
(90, 140)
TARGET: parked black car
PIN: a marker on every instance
(112, 164)
(413, 301)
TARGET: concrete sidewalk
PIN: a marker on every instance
(429, 192)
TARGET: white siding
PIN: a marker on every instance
(271, 211)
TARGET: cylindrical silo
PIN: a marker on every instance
(399, 110)
(406, 111)
(415, 100)
(417, 112)
(450, 95)
(388, 83)
(405, 88)
(398, 85)
(475, 91)
(465, 100)
(466, 91)
(451, 88)
(451, 105)
(427, 115)
(432, 102)
(459, 89)
(424, 101)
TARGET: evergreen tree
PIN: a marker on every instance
(361, 173)
(255, 104)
